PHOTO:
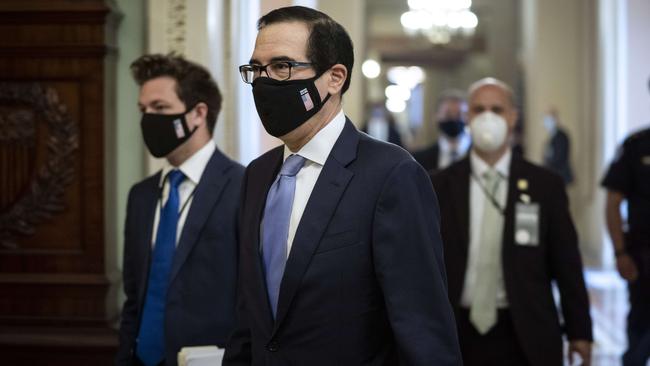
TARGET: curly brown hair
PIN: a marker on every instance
(194, 84)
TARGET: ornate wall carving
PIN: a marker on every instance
(56, 93)
(32, 194)
(176, 26)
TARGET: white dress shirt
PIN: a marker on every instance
(478, 200)
(193, 169)
(315, 153)
(445, 148)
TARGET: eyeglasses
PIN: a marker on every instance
(278, 70)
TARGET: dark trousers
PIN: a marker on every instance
(498, 347)
(638, 320)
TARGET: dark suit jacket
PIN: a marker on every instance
(365, 282)
(428, 157)
(200, 306)
(527, 270)
(557, 155)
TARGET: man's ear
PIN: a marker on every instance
(337, 76)
(201, 113)
(512, 118)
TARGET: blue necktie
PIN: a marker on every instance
(151, 337)
(275, 226)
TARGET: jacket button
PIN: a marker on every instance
(272, 346)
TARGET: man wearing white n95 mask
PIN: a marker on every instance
(507, 235)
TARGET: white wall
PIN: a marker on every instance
(125, 162)
(352, 16)
(638, 64)
(560, 67)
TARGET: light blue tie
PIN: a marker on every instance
(275, 226)
(151, 337)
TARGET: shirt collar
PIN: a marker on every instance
(194, 166)
(502, 166)
(319, 147)
(463, 144)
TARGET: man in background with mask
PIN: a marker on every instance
(453, 142)
(381, 124)
(340, 253)
(180, 251)
(557, 154)
(508, 234)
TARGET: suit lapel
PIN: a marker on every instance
(150, 197)
(207, 194)
(509, 217)
(461, 193)
(325, 197)
(258, 197)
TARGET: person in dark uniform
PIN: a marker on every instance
(453, 142)
(628, 179)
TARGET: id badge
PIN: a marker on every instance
(527, 224)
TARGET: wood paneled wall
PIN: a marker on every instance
(55, 61)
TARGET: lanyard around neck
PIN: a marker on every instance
(160, 198)
(489, 196)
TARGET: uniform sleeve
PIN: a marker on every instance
(409, 265)
(619, 176)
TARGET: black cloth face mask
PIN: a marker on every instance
(452, 127)
(163, 133)
(284, 106)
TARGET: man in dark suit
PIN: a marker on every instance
(557, 154)
(340, 252)
(508, 235)
(452, 143)
(180, 251)
(381, 124)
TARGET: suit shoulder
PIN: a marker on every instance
(236, 169)
(429, 150)
(146, 183)
(453, 170)
(639, 137)
(385, 153)
(542, 174)
(266, 158)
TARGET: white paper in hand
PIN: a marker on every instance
(200, 356)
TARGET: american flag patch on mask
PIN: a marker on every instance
(178, 127)
(306, 99)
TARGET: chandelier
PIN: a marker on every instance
(440, 20)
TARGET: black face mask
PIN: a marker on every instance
(452, 127)
(164, 132)
(284, 106)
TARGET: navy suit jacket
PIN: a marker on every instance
(365, 282)
(200, 306)
(528, 271)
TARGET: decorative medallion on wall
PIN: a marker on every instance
(31, 194)
(176, 29)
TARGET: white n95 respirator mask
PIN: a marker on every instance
(489, 131)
